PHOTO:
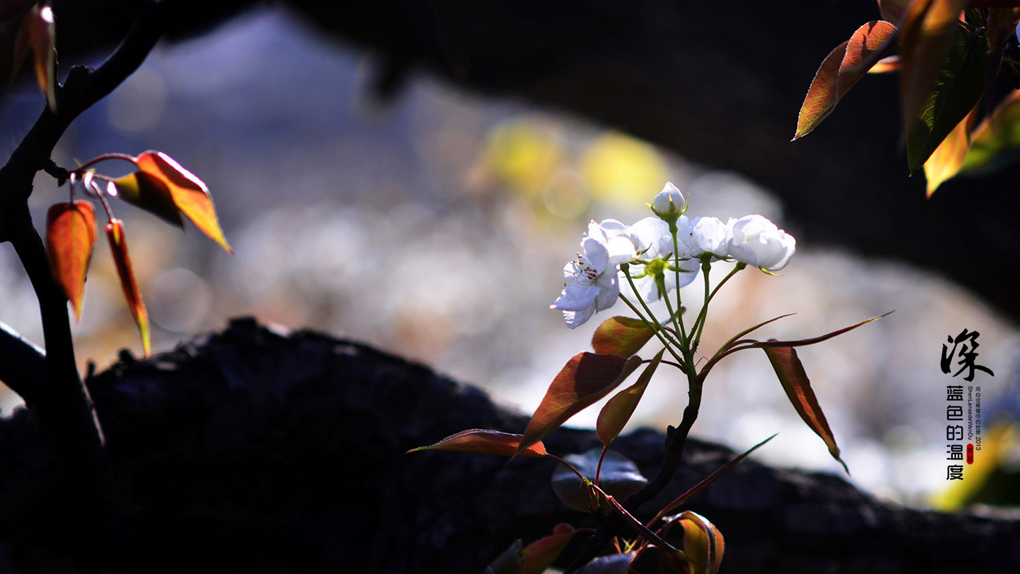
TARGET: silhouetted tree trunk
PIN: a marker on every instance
(253, 450)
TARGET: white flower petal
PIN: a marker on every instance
(575, 319)
(757, 241)
(576, 297)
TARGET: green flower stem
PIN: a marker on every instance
(699, 323)
(664, 336)
(678, 321)
(702, 316)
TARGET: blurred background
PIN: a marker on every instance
(436, 227)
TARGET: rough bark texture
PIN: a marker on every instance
(256, 451)
(720, 85)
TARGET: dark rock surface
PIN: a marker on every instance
(256, 450)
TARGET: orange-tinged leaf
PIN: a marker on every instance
(115, 233)
(189, 193)
(618, 410)
(822, 96)
(840, 70)
(621, 336)
(947, 159)
(480, 441)
(70, 235)
(795, 382)
(586, 378)
(995, 142)
(886, 65)
(541, 553)
(38, 32)
(928, 32)
(147, 192)
(703, 543)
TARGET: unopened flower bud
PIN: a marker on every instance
(670, 204)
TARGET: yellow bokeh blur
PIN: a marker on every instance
(623, 170)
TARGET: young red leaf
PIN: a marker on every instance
(618, 410)
(694, 490)
(886, 65)
(840, 70)
(147, 192)
(795, 382)
(586, 378)
(541, 553)
(38, 32)
(612, 564)
(947, 159)
(959, 86)
(995, 141)
(479, 441)
(115, 233)
(70, 235)
(703, 543)
(621, 336)
(190, 194)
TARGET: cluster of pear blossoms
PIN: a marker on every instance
(661, 253)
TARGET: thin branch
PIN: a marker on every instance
(22, 364)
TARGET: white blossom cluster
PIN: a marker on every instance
(658, 262)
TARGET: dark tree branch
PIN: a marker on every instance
(22, 365)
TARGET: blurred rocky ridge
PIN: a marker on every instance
(259, 449)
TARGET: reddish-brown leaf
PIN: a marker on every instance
(147, 192)
(39, 33)
(70, 235)
(586, 378)
(190, 194)
(927, 34)
(703, 543)
(795, 382)
(886, 65)
(541, 553)
(947, 159)
(618, 410)
(115, 233)
(840, 70)
(480, 441)
(621, 336)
